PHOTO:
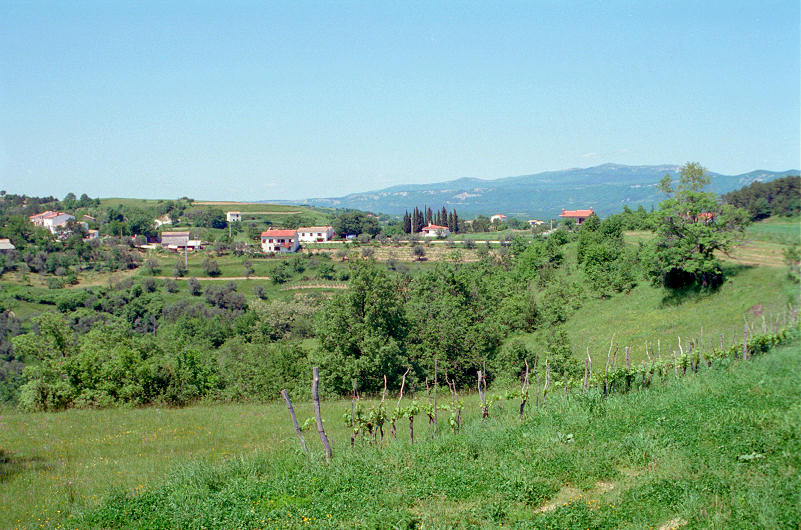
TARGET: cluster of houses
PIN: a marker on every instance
(58, 222)
(53, 221)
(277, 240)
(273, 240)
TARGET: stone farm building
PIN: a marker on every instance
(279, 240)
(578, 215)
(233, 217)
(175, 240)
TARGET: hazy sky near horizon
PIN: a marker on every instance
(288, 100)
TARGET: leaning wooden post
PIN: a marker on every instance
(482, 394)
(294, 420)
(435, 397)
(524, 392)
(317, 416)
(403, 382)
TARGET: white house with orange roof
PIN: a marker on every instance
(51, 220)
(274, 240)
(315, 234)
(435, 231)
(578, 215)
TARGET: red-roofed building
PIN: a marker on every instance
(52, 220)
(435, 231)
(579, 215)
(279, 240)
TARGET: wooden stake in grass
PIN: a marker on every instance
(547, 376)
(482, 394)
(435, 397)
(586, 371)
(294, 420)
(317, 415)
(524, 391)
(403, 383)
(353, 415)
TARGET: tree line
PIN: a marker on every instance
(414, 222)
(763, 199)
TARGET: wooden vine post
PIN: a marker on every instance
(587, 369)
(353, 430)
(403, 383)
(317, 416)
(435, 397)
(524, 392)
(482, 394)
(547, 377)
(294, 420)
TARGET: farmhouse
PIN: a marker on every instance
(175, 240)
(498, 217)
(233, 217)
(279, 241)
(579, 215)
(92, 234)
(435, 231)
(315, 234)
(51, 220)
(535, 222)
(163, 220)
(6, 245)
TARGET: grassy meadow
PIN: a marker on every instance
(647, 315)
(785, 230)
(717, 449)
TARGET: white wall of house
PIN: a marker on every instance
(435, 232)
(281, 244)
(233, 217)
(59, 221)
(315, 234)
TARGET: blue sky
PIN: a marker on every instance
(287, 100)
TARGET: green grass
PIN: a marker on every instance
(718, 449)
(786, 230)
(647, 314)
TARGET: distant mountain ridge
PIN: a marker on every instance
(606, 188)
